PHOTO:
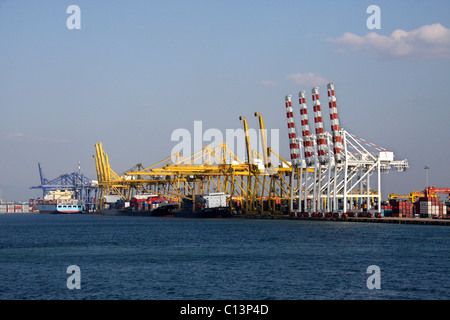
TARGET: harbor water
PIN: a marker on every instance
(155, 258)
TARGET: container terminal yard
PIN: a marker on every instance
(330, 175)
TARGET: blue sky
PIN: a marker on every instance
(138, 70)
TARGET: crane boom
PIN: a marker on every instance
(267, 163)
(247, 141)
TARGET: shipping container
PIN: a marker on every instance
(429, 207)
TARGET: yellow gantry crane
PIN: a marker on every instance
(251, 188)
(411, 196)
(109, 182)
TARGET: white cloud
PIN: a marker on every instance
(17, 136)
(429, 41)
(307, 79)
(268, 84)
(22, 137)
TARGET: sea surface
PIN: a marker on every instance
(156, 258)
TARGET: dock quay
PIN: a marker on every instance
(421, 221)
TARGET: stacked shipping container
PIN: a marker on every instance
(430, 207)
(402, 209)
(386, 210)
(425, 207)
(15, 208)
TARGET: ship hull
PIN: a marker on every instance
(116, 212)
(173, 211)
(163, 211)
(59, 209)
(221, 212)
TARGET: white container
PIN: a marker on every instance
(386, 156)
(215, 200)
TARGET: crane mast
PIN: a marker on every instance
(320, 134)
(293, 143)
(335, 129)
(308, 142)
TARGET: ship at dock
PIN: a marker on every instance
(212, 205)
(174, 210)
(59, 202)
(140, 204)
(67, 193)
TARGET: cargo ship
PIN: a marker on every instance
(149, 204)
(59, 201)
(219, 212)
(173, 210)
(164, 210)
(212, 205)
(143, 204)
